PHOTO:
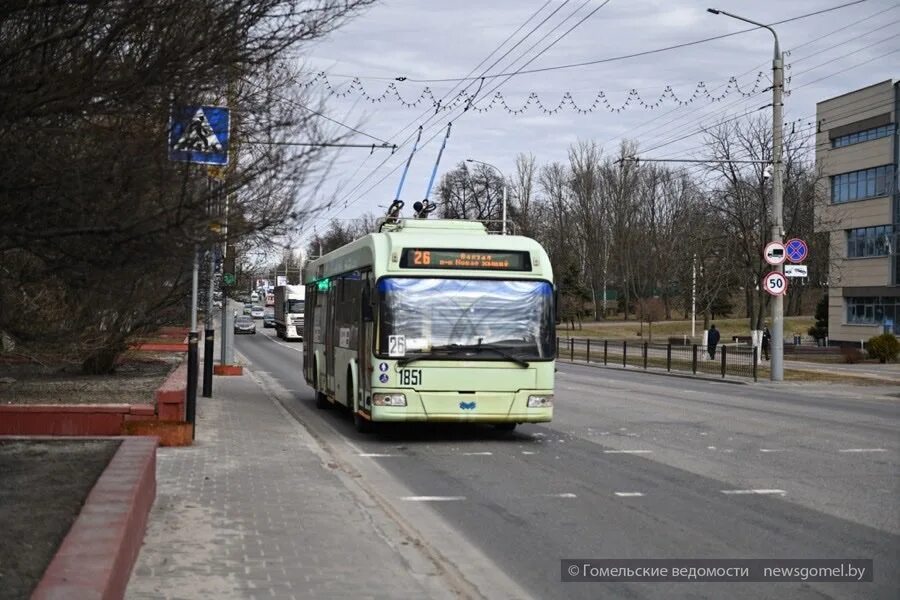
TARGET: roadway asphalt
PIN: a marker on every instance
(637, 465)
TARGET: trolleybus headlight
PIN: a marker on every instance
(540, 401)
(388, 399)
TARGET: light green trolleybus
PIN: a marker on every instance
(433, 320)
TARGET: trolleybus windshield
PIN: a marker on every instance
(465, 319)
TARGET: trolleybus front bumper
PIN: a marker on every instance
(524, 406)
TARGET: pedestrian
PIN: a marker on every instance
(712, 340)
(766, 340)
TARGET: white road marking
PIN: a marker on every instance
(563, 495)
(526, 452)
(432, 498)
(710, 447)
(477, 453)
(290, 347)
(628, 494)
(374, 455)
(772, 450)
(863, 450)
(627, 451)
(742, 492)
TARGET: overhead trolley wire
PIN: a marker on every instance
(639, 54)
(685, 114)
(541, 52)
(484, 60)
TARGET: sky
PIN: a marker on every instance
(826, 55)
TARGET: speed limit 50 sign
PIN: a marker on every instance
(775, 283)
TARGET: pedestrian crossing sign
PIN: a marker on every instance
(200, 134)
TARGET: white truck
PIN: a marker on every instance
(289, 302)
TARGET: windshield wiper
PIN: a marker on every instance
(465, 348)
(522, 363)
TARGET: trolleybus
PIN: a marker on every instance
(433, 320)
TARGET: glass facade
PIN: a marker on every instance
(863, 136)
(859, 185)
(873, 311)
(867, 242)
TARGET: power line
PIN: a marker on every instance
(497, 49)
(545, 49)
(637, 54)
(689, 114)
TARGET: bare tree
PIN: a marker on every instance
(97, 227)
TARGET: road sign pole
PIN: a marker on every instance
(210, 332)
(193, 338)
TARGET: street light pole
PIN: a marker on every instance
(777, 344)
(481, 162)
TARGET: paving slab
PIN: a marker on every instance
(254, 509)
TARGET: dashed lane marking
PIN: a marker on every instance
(477, 453)
(863, 450)
(528, 453)
(375, 455)
(629, 494)
(432, 498)
(563, 495)
(761, 492)
(627, 451)
(772, 450)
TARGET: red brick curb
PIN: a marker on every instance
(228, 369)
(96, 556)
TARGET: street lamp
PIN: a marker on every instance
(481, 162)
(777, 364)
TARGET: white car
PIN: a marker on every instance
(257, 312)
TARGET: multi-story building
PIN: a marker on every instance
(857, 156)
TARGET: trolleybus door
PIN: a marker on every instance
(329, 338)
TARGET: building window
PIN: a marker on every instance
(866, 242)
(863, 136)
(859, 185)
(873, 310)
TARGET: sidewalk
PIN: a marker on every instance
(255, 510)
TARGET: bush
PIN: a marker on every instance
(820, 330)
(884, 347)
(851, 355)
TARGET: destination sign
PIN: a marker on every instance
(487, 260)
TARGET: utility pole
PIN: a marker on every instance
(777, 343)
(694, 297)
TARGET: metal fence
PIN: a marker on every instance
(729, 360)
